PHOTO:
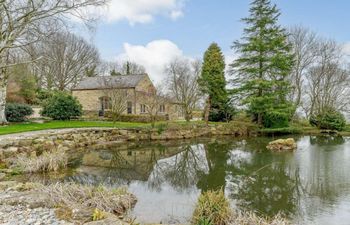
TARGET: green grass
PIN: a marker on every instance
(30, 126)
(281, 131)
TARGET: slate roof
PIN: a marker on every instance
(103, 82)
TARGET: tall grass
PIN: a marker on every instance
(213, 208)
(116, 201)
(48, 161)
(250, 218)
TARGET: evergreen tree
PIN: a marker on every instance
(264, 62)
(113, 72)
(213, 83)
(128, 68)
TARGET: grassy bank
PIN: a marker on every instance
(30, 126)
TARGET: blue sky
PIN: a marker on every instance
(189, 26)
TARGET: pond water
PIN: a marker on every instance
(310, 186)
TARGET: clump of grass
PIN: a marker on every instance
(117, 201)
(212, 208)
(48, 161)
(250, 218)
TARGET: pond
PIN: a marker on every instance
(310, 186)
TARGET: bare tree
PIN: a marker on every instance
(328, 81)
(114, 99)
(132, 68)
(153, 102)
(305, 44)
(25, 22)
(183, 85)
(65, 60)
(121, 68)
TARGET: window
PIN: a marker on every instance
(142, 108)
(105, 103)
(129, 107)
(162, 108)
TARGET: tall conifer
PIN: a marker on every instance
(264, 62)
(213, 83)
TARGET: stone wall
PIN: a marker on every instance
(79, 138)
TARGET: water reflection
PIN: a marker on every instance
(327, 140)
(311, 185)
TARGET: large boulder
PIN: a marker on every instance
(282, 145)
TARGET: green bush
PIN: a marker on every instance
(42, 95)
(61, 106)
(276, 119)
(331, 119)
(17, 112)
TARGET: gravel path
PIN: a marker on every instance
(21, 215)
(25, 207)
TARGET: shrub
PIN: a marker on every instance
(331, 119)
(17, 112)
(61, 106)
(276, 119)
(212, 208)
(43, 95)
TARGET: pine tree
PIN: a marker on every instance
(213, 83)
(264, 62)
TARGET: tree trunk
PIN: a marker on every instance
(3, 85)
(207, 111)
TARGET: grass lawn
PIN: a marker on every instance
(30, 126)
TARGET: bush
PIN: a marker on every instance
(17, 112)
(224, 113)
(276, 119)
(331, 119)
(61, 106)
(43, 95)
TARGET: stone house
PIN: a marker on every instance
(135, 92)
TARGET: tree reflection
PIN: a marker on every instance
(181, 171)
(216, 156)
(267, 190)
(327, 140)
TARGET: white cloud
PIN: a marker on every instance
(140, 11)
(154, 56)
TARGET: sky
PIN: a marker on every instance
(153, 32)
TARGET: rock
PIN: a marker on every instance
(282, 145)
(82, 214)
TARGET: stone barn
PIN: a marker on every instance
(96, 93)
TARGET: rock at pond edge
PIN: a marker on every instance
(282, 145)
